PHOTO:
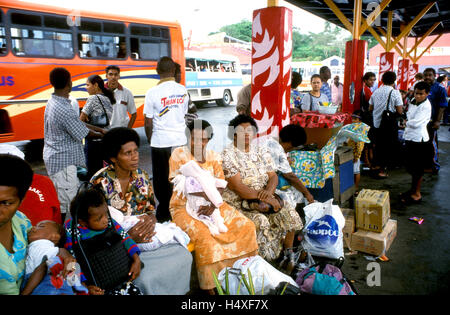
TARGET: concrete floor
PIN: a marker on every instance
(419, 258)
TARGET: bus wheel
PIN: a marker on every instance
(226, 99)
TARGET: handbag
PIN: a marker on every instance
(388, 119)
(103, 258)
(100, 121)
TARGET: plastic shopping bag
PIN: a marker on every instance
(262, 273)
(323, 230)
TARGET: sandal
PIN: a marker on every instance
(408, 200)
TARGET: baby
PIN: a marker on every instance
(166, 233)
(47, 278)
(201, 189)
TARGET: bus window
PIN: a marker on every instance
(3, 47)
(38, 35)
(149, 42)
(101, 40)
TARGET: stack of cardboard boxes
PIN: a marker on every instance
(369, 229)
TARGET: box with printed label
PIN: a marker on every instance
(373, 210)
(375, 243)
(349, 227)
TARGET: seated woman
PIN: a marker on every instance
(250, 173)
(16, 178)
(167, 270)
(212, 252)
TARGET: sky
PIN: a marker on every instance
(200, 16)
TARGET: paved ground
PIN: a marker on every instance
(419, 258)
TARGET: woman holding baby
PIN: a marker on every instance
(128, 188)
(213, 252)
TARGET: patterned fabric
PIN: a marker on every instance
(12, 265)
(211, 250)
(138, 199)
(296, 98)
(63, 133)
(253, 167)
(314, 167)
(94, 108)
(282, 166)
(317, 120)
(358, 147)
(86, 233)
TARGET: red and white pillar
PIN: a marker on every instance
(386, 64)
(403, 74)
(355, 56)
(271, 68)
(413, 70)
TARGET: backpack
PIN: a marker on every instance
(324, 279)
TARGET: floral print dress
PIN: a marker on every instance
(253, 167)
(212, 252)
(138, 199)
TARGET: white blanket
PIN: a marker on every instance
(166, 232)
(194, 179)
(36, 252)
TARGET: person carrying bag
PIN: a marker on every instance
(97, 112)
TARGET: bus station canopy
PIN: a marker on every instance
(403, 12)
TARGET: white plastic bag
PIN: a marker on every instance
(323, 230)
(259, 269)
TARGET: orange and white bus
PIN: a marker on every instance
(36, 38)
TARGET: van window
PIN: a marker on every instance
(102, 39)
(149, 42)
(40, 35)
(3, 47)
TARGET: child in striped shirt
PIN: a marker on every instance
(91, 211)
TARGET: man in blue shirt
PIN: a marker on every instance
(439, 103)
(325, 75)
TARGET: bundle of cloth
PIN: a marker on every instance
(166, 233)
(200, 188)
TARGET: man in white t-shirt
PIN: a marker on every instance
(164, 108)
(124, 100)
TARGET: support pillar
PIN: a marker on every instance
(413, 70)
(271, 69)
(403, 74)
(355, 56)
(386, 64)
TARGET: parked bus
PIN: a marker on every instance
(211, 76)
(36, 38)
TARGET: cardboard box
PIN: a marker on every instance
(349, 228)
(374, 243)
(373, 210)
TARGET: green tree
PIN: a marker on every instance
(241, 30)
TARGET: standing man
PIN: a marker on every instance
(243, 106)
(63, 135)
(165, 106)
(337, 90)
(124, 100)
(325, 75)
(439, 103)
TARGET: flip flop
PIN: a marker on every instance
(408, 200)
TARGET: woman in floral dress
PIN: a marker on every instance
(250, 173)
(167, 270)
(212, 252)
